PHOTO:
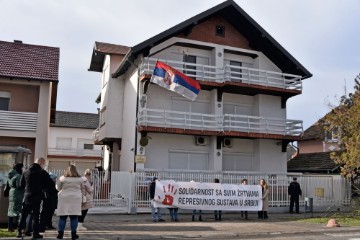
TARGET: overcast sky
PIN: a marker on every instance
(323, 35)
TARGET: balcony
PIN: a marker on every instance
(74, 152)
(269, 82)
(18, 121)
(220, 125)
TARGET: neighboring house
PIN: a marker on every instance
(314, 151)
(71, 141)
(29, 76)
(237, 123)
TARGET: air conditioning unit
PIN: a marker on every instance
(227, 142)
(201, 141)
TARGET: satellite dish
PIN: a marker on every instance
(144, 141)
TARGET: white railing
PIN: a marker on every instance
(227, 122)
(127, 191)
(18, 121)
(228, 74)
(74, 152)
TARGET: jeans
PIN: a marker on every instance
(73, 223)
(153, 214)
(173, 214)
(194, 213)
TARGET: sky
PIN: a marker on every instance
(323, 35)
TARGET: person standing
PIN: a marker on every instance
(152, 196)
(69, 200)
(294, 192)
(217, 213)
(16, 195)
(88, 189)
(174, 214)
(35, 181)
(265, 198)
(244, 214)
(49, 205)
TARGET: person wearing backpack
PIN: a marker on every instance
(294, 192)
(16, 195)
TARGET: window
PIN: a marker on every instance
(220, 31)
(237, 162)
(332, 136)
(188, 161)
(63, 143)
(189, 69)
(5, 101)
(88, 146)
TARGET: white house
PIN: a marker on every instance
(71, 141)
(237, 123)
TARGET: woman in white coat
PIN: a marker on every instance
(69, 200)
(88, 189)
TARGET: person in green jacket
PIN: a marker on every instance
(16, 195)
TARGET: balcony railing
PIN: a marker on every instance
(18, 121)
(229, 73)
(74, 152)
(226, 122)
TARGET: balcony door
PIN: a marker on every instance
(190, 113)
(236, 70)
(5, 101)
(196, 71)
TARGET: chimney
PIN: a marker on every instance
(18, 41)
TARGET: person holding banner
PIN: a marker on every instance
(265, 198)
(244, 213)
(152, 196)
(217, 212)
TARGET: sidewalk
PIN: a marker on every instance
(122, 226)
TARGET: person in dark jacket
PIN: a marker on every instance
(294, 191)
(152, 196)
(35, 181)
(49, 205)
(16, 195)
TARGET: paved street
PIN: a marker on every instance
(279, 226)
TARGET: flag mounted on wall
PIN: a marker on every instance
(173, 80)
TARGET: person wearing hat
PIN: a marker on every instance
(294, 192)
(152, 196)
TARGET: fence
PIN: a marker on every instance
(128, 192)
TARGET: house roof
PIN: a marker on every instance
(76, 120)
(100, 50)
(25, 61)
(235, 15)
(314, 132)
(312, 162)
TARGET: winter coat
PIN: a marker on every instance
(35, 181)
(265, 198)
(152, 190)
(69, 196)
(16, 194)
(294, 189)
(88, 191)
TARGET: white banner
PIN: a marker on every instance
(208, 196)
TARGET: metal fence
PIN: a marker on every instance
(128, 192)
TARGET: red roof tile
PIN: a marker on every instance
(19, 60)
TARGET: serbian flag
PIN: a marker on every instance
(173, 80)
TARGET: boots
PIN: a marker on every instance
(60, 235)
(81, 227)
(193, 218)
(200, 218)
(74, 235)
(265, 215)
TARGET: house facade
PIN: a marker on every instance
(238, 122)
(28, 89)
(71, 141)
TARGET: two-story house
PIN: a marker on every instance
(238, 122)
(71, 141)
(28, 88)
(314, 150)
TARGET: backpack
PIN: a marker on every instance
(7, 189)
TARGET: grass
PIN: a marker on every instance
(4, 233)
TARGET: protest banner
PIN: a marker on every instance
(208, 196)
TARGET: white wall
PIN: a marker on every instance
(272, 159)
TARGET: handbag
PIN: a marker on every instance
(83, 199)
(7, 189)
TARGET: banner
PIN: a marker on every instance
(208, 196)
